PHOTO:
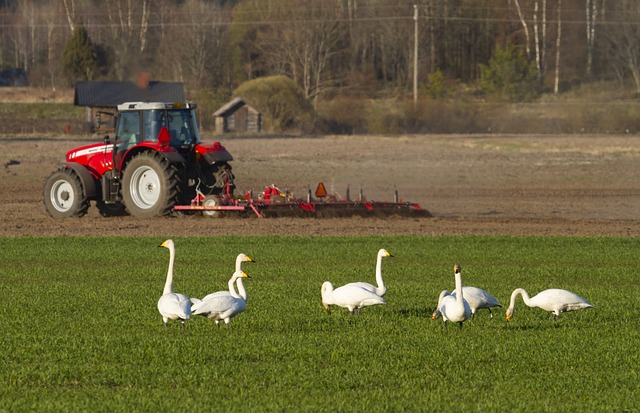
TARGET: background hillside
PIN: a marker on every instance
(376, 66)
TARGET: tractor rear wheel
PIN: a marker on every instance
(64, 194)
(149, 185)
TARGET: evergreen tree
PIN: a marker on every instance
(79, 56)
(509, 75)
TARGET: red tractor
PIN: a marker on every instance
(155, 163)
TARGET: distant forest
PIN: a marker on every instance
(509, 50)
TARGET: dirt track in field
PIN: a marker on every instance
(485, 185)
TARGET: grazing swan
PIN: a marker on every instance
(476, 297)
(242, 292)
(223, 307)
(455, 308)
(173, 306)
(554, 300)
(381, 289)
(348, 296)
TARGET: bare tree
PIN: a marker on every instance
(539, 33)
(144, 24)
(69, 6)
(592, 15)
(525, 28)
(623, 41)
(556, 82)
(196, 43)
(304, 46)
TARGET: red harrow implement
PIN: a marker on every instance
(273, 202)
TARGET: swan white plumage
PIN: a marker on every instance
(173, 306)
(476, 297)
(348, 296)
(381, 289)
(553, 300)
(455, 308)
(223, 307)
(241, 291)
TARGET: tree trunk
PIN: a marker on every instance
(556, 83)
(144, 25)
(525, 27)
(70, 13)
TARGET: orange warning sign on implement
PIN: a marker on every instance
(321, 191)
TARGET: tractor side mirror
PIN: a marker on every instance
(107, 140)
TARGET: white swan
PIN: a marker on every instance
(223, 307)
(348, 296)
(241, 291)
(455, 308)
(173, 306)
(476, 297)
(381, 289)
(554, 300)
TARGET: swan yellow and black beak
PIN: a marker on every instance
(245, 275)
(457, 268)
(326, 307)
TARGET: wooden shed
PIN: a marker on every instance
(237, 116)
(102, 98)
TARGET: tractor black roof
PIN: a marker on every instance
(111, 94)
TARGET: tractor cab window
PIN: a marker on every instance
(180, 127)
(152, 123)
(128, 133)
(179, 123)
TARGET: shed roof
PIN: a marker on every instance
(108, 94)
(231, 106)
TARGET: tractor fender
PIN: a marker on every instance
(88, 182)
(173, 157)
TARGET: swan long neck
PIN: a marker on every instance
(232, 289)
(379, 273)
(443, 294)
(241, 291)
(514, 295)
(168, 285)
(239, 263)
(459, 297)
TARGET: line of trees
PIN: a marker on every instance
(356, 47)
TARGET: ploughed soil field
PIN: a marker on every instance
(483, 185)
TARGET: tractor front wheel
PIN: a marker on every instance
(64, 194)
(149, 185)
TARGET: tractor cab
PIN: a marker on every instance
(141, 122)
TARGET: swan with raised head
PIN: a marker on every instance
(173, 306)
(455, 308)
(241, 291)
(476, 297)
(553, 300)
(380, 289)
(348, 296)
(223, 307)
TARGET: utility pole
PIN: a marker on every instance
(415, 54)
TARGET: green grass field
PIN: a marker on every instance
(81, 332)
